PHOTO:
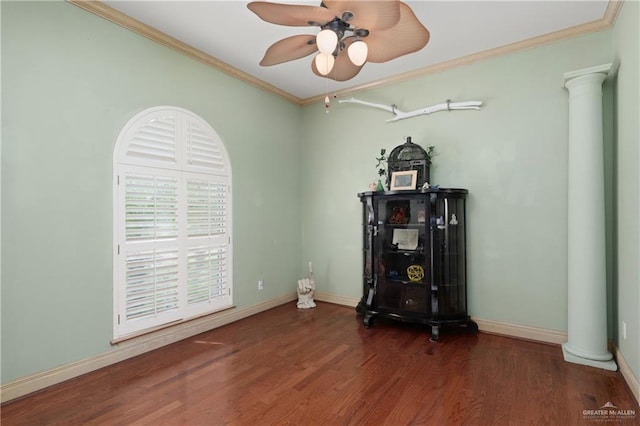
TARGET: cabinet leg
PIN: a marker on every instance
(472, 327)
(435, 333)
(368, 321)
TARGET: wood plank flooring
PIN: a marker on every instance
(322, 367)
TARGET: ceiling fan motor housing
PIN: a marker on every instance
(338, 26)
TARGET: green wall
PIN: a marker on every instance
(70, 81)
(626, 42)
(511, 155)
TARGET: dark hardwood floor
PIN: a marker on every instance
(322, 367)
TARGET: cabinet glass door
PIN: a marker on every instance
(369, 225)
(449, 278)
(401, 247)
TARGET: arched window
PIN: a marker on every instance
(172, 221)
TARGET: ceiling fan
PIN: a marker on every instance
(353, 32)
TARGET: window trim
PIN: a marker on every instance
(188, 132)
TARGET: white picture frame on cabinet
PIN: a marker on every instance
(405, 180)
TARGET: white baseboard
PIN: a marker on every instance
(627, 373)
(336, 300)
(134, 347)
(487, 326)
(521, 331)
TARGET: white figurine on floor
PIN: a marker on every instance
(306, 289)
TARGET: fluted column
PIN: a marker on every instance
(587, 285)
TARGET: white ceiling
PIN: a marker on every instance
(231, 33)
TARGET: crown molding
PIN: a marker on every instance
(100, 9)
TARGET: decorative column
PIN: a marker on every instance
(587, 304)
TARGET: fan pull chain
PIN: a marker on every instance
(327, 101)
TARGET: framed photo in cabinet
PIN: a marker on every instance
(404, 180)
(405, 239)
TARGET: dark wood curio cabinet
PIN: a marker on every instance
(415, 258)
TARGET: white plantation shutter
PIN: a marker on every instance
(151, 206)
(207, 264)
(151, 285)
(207, 274)
(148, 243)
(153, 141)
(203, 150)
(172, 221)
(206, 207)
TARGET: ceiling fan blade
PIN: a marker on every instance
(343, 68)
(289, 49)
(291, 14)
(407, 36)
(369, 14)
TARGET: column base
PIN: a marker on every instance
(605, 365)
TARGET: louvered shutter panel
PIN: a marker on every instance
(151, 283)
(204, 149)
(150, 293)
(151, 207)
(207, 238)
(207, 274)
(206, 206)
(153, 141)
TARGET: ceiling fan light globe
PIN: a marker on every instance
(324, 63)
(327, 40)
(358, 52)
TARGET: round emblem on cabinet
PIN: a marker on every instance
(415, 272)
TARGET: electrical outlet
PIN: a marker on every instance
(624, 330)
(260, 285)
